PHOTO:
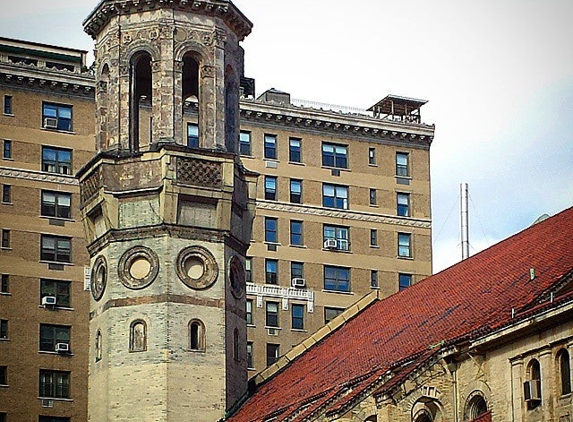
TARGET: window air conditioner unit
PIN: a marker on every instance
(49, 300)
(50, 123)
(272, 332)
(298, 282)
(532, 390)
(330, 244)
(62, 347)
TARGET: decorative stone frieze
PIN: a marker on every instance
(199, 172)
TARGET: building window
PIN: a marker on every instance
(193, 135)
(197, 335)
(476, 407)
(335, 196)
(564, 366)
(3, 329)
(271, 188)
(271, 146)
(53, 419)
(532, 387)
(56, 248)
(8, 104)
(272, 314)
(249, 311)
(296, 233)
(7, 149)
(404, 281)
(6, 194)
(336, 278)
(373, 237)
(54, 384)
(297, 317)
(245, 143)
(98, 346)
(403, 201)
(58, 289)
(57, 160)
(294, 150)
(3, 375)
(273, 351)
(50, 335)
(374, 279)
(338, 237)
(271, 271)
(57, 116)
(373, 200)
(5, 283)
(271, 228)
(402, 164)
(334, 155)
(296, 191)
(331, 313)
(56, 204)
(5, 239)
(404, 245)
(296, 270)
(372, 156)
(250, 363)
(248, 270)
(138, 336)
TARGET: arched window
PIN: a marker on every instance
(532, 387)
(103, 105)
(98, 346)
(138, 336)
(197, 335)
(236, 344)
(191, 96)
(476, 407)
(564, 367)
(373, 418)
(140, 94)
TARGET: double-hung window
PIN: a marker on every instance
(271, 146)
(402, 164)
(296, 270)
(296, 233)
(372, 156)
(331, 313)
(271, 188)
(8, 104)
(337, 234)
(54, 384)
(271, 271)
(57, 160)
(3, 329)
(5, 239)
(373, 200)
(335, 196)
(248, 270)
(57, 288)
(6, 194)
(193, 135)
(373, 237)
(295, 191)
(404, 245)
(273, 353)
(57, 116)
(250, 361)
(403, 201)
(272, 317)
(294, 151)
(50, 335)
(336, 278)
(7, 149)
(334, 155)
(56, 248)
(249, 317)
(271, 230)
(404, 281)
(56, 204)
(5, 283)
(297, 316)
(245, 143)
(374, 279)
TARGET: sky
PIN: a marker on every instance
(497, 74)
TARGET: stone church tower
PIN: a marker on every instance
(167, 212)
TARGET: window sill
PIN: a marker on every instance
(298, 246)
(56, 399)
(251, 369)
(375, 287)
(7, 203)
(408, 258)
(69, 264)
(272, 328)
(334, 208)
(6, 248)
(5, 294)
(337, 291)
(373, 205)
(47, 217)
(375, 246)
(50, 352)
(335, 168)
(372, 165)
(69, 132)
(8, 158)
(196, 351)
(337, 250)
(297, 163)
(247, 155)
(56, 308)
(8, 114)
(299, 330)
(4, 339)
(4, 386)
(251, 326)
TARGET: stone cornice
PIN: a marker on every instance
(33, 77)
(346, 214)
(223, 9)
(348, 125)
(38, 176)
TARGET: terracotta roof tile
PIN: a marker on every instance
(470, 298)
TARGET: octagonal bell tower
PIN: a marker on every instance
(167, 210)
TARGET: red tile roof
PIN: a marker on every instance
(394, 336)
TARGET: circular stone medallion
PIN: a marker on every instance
(138, 267)
(98, 277)
(196, 267)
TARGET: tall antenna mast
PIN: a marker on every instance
(465, 226)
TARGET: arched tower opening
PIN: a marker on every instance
(191, 96)
(140, 96)
(103, 109)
